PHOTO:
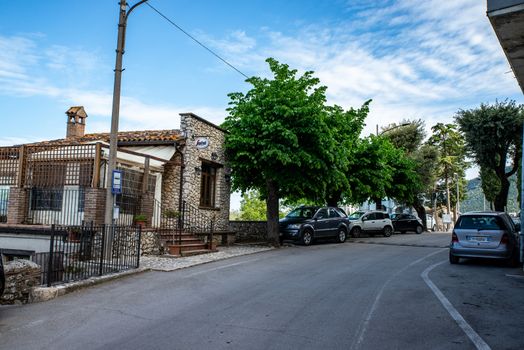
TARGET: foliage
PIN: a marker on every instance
(493, 136)
(140, 218)
(171, 214)
(379, 169)
(490, 184)
(279, 141)
(408, 135)
(452, 163)
(252, 208)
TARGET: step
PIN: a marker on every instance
(197, 252)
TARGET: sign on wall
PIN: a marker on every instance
(116, 182)
(202, 142)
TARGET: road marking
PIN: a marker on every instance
(361, 331)
(472, 335)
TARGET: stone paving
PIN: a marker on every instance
(169, 263)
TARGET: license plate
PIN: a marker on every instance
(478, 239)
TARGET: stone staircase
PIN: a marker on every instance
(189, 244)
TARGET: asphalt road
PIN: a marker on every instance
(367, 295)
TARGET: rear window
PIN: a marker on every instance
(480, 222)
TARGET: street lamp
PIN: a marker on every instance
(392, 128)
(113, 136)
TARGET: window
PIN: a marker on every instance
(46, 199)
(333, 213)
(208, 185)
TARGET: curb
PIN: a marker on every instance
(39, 294)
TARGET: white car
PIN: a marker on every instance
(370, 222)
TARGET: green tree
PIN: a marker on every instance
(493, 138)
(279, 141)
(490, 185)
(409, 136)
(452, 163)
(252, 208)
(378, 169)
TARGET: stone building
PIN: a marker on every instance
(64, 181)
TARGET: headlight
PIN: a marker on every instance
(293, 226)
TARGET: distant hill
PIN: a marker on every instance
(475, 197)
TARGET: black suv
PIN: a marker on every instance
(305, 224)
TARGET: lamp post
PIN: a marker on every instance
(113, 136)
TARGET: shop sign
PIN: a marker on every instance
(202, 142)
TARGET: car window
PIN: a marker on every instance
(322, 213)
(341, 212)
(302, 213)
(371, 216)
(333, 213)
(356, 215)
(379, 216)
(480, 222)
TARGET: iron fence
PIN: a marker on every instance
(60, 206)
(80, 252)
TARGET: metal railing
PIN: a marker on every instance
(79, 252)
(189, 220)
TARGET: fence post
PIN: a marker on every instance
(182, 223)
(211, 234)
(139, 242)
(51, 256)
(102, 252)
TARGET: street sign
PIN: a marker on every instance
(446, 218)
(116, 182)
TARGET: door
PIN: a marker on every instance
(321, 223)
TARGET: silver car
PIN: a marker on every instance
(484, 235)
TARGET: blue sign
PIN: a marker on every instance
(116, 182)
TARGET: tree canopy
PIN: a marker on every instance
(280, 141)
(493, 136)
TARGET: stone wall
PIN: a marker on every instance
(149, 243)
(249, 231)
(171, 183)
(21, 276)
(196, 129)
(17, 205)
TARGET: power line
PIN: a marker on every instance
(195, 40)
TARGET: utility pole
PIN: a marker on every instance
(113, 137)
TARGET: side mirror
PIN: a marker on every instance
(364, 218)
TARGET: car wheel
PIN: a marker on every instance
(307, 237)
(419, 230)
(434, 228)
(341, 237)
(355, 232)
(453, 259)
(387, 231)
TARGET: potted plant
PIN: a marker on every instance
(171, 214)
(140, 220)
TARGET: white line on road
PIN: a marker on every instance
(472, 335)
(364, 325)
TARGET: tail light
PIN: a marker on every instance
(454, 238)
(504, 239)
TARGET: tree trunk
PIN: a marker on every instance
(378, 203)
(334, 198)
(501, 199)
(421, 212)
(272, 214)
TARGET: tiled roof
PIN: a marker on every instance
(143, 136)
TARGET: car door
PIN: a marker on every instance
(368, 222)
(334, 221)
(321, 223)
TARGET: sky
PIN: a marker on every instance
(415, 59)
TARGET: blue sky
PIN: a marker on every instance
(415, 59)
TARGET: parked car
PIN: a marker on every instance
(370, 222)
(406, 222)
(307, 223)
(430, 223)
(2, 276)
(486, 234)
